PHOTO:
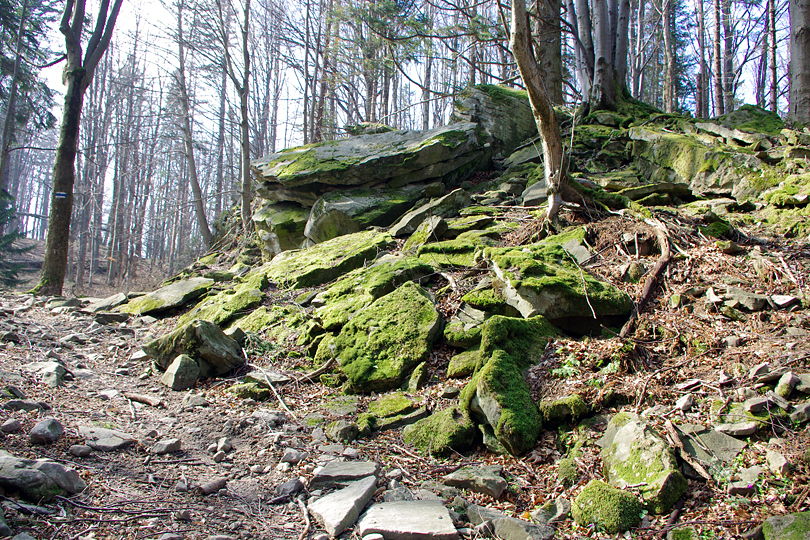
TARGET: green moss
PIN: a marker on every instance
(683, 533)
(251, 391)
(366, 424)
(463, 364)
(793, 191)
(503, 93)
(361, 287)
(501, 381)
(383, 342)
(457, 334)
(481, 211)
(524, 340)
(275, 323)
(442, 433)
(565, 410)
(490, 300)
(326, 261)
(753, 119)
(391, 405)
(788, 527)
(567, 471)
(225, 306)
(209, 259)
(611, 510)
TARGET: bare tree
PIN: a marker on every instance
(78, 75)
(800, 60)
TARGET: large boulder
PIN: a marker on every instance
(229, 303)
(499, 397)
(610, 509)
(633, 454)
(168, 297)
(324, 262)
(788, 527)
(216, 353)
(503, 113)
(383, 342)
(390, 160)
(442, 433)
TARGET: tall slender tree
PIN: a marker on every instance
(800, 60)
(79, 69)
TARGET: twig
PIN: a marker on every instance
(307, 522)
(662, 237)
(656, 373)
(676, 441)
(281, 401)
(312, 374)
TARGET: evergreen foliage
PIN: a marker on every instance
(9, 269)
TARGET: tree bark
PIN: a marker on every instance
(544, 116)
(702, 90)
(547, 47)
(774, 93)
(800, 61)
(719, 100)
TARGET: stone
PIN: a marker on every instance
(685, 402)
(568, 409)
(486, 479)
(181, 374)
(106, 440)
(777, 463)
(788, 527)
(786, 384)
(342, 431)
(52, 373)
(293, 456)
(509, 528)
(106, 304)
(215, 353)
(713, 449)
(12, 425)
(758, 405)
(445, 206)
(408, 520)
(759, 370)
(610, 509)
(80, 450)
(633, 453)
(213, 486)
(442, 433)
(168, 297)
(166, 446)
(46, 431)
(290, 488)
(747, 483)
(738, 429)
(801, 413)
(740, 299)
(552, 511)
(280, 225)
(351, 210)
(783, 301)
(5, 530)
(37, 480)
(339, 510)
(191, 401)
(379, 347)
(398, 493)
(803, 385)
(340, 472)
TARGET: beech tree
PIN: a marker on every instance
(78, 75)
(800, 60)
(542, 107)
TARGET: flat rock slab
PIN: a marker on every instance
(486, 480)
(168, 297)
(106, 440)
(37, 480)
(340, 472)
(339, 510)
(409, 520)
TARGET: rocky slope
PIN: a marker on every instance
(417, 348)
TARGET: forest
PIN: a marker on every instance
(189, 92)
(405, 269)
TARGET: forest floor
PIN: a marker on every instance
(132, 493)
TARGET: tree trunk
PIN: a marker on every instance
(702, 90)
(728, 57)
(800, 60)
(603, 91)
(56, 245)
(547, 47)
(544, 116)
(719, 99)
(669, 56)
(772, 53)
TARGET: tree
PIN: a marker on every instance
(800, 60)
(544, 116)
(78, 75)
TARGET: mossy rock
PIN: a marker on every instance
(382, 343)
(280, 226)
(168, 297)
(361, 287)
(216, 353)
(634, 454)
(753, 119)
(500, 397)
(682, 533)
(226, 305)
(543, 279)
(391, 405)
(565, 410)
(431, 229)
(489, 300)
(442, 433)
(463, 335)
(275, 323)
(524, 340)
(463, 364)
(251, 390)
(567, 471)
(793, 191)
(788, 527)
(324, 262)
(609, 509)
(460, 251)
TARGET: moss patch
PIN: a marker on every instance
(611, 510)
(753, 119)
(383, 342)
(463, 364)
(391, 405)
(524, 340)
(565, 410)
(442, 432)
